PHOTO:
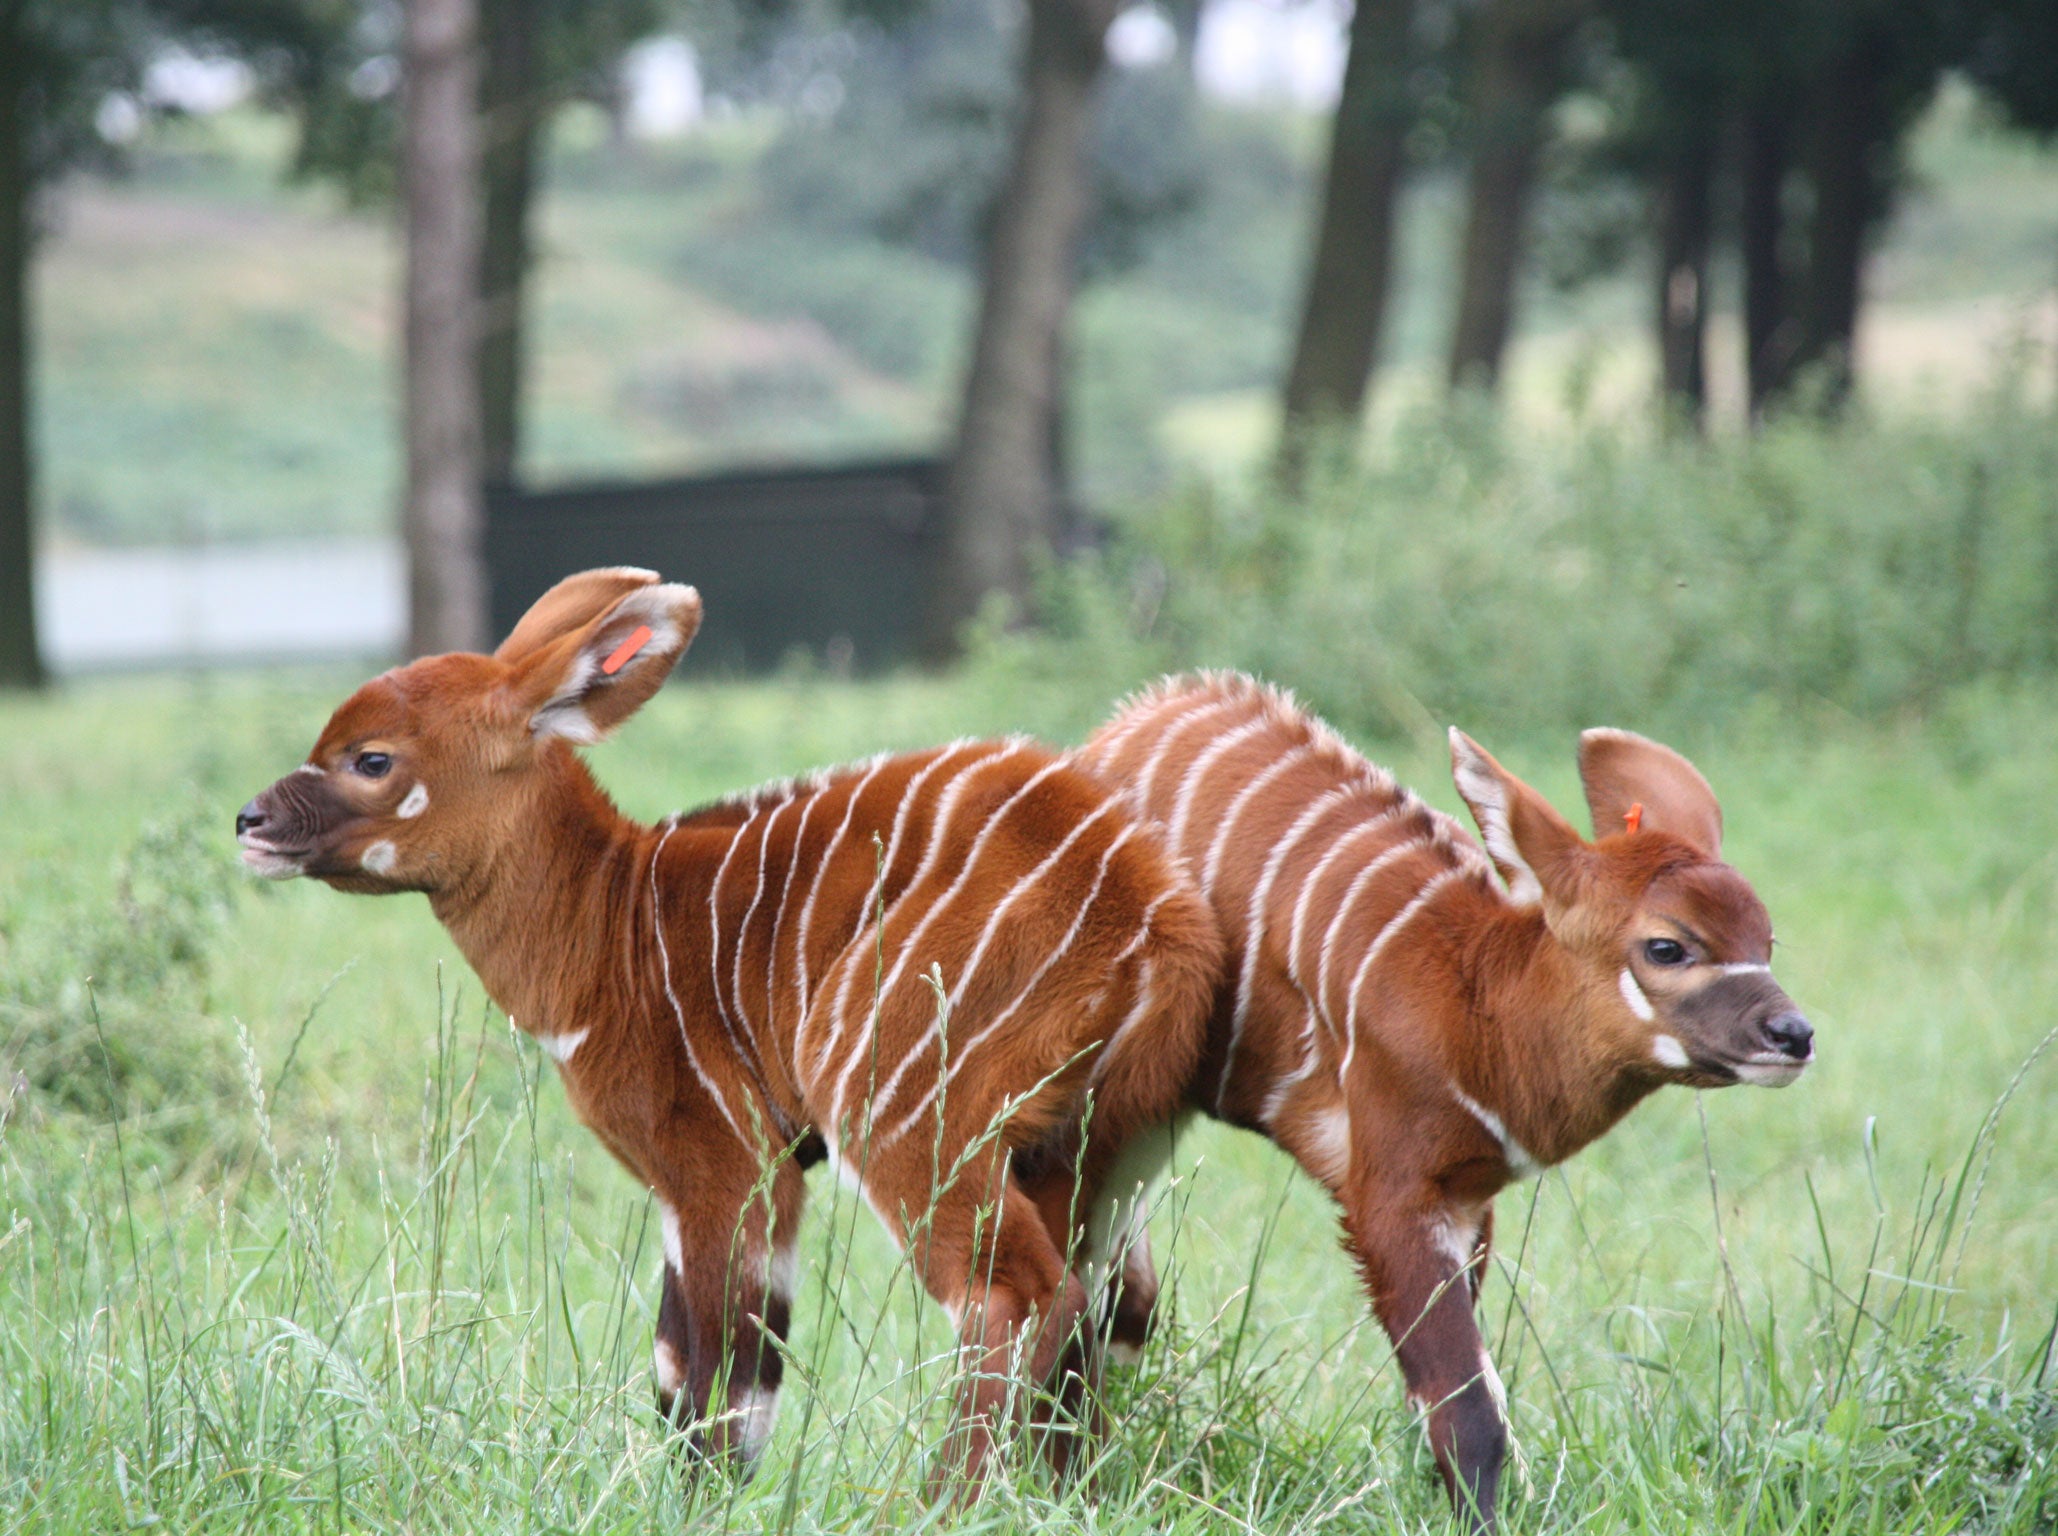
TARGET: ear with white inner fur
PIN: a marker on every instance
(572, 604)
(1533, 846)
(1621, 769)
(584, 684)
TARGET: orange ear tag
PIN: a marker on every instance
(631, 646)
(1633, 818)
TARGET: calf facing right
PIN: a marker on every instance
(1417, 1033)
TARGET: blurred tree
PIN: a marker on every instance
(1858, 73)
(442, 514)
(1517, 64)
(1345, 302)
(1686, 57)
(539, 54)
(59, 59)
(2012, 54)
(1002, 495)
(536, 55)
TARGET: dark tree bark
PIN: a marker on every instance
(443, 516)
(1850, 138)
(1685, 228)
(1518, 68)
(1003, 499)
(511, 117)
(1344, 308)
(20, 661)
(1768, 328)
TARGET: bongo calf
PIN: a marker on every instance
(755, 979)
(1418, 1032)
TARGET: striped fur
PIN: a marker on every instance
(1419, 1019)
(760, 978)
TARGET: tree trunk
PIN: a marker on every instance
(511, 118)
(1517, 68)
(443, 515)
(1345, 305)
(1850, 134)
(1768, 328)
(20, 662)
(1002, 497)
(1685, 189)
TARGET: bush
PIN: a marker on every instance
(103, 1015)
(1452, 577)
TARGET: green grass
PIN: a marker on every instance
(371, 1276)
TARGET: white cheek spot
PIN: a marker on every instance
(416, 802)
(1632, 994)
(380, 857)
(671, 1375)
(1670, 1052)
(675, 1253)
(561, 1047)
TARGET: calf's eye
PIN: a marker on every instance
(1664, 951)
(373, 765)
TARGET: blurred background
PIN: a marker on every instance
(300, 360)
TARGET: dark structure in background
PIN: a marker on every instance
(836, 561)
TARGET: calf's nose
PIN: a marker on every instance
(1791, 1035)
(250, 818)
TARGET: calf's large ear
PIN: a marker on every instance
(571, 605)
(1621, 769)
(1535, 848)
(586, 678)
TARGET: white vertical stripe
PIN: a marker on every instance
(764, 854)
(714, 951)
(964, 1052)
(1372, 953)
(832, 1023)
(664, 960)
(1190, 782)
(1363, 881)
(913, 940)
(1146, 777)
(1312, 880)
(807, 908)
(779, 910)
(1144, 711)
(1015, 892)
(1145, 982)
(1104, 746)
(1254, 923)
(1211, 868)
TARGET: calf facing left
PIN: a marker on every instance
(710, 987)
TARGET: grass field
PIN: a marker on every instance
(340, 1259)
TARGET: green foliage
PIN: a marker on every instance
(102, 1012)
(1465, 574)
